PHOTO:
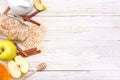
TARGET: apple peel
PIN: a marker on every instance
(40, 4)
(8, 50)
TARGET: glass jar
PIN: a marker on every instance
(4, 74)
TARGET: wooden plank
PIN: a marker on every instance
(3, 5)
(81, 28)
(80, 25)
(81, 7)
(76, 75)
(77, 7)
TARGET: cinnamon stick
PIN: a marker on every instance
(20, 50)
(30, 52)
(6, 10)
(36, 52)
(27, 18)
(34, 13)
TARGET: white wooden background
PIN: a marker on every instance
(82, 41)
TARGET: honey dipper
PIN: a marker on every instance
(40, 67)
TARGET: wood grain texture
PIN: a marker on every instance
(77, 7)
(81, 7)
(82, 41)
(76, 75)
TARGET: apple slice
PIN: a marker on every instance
(22, 63)
(39, 4)
(18, 67)
(14, 69)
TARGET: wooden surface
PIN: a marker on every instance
(82, 41)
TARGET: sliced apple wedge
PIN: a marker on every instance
(14, 69)
(39, 4)
(22, 63)
(18, 67)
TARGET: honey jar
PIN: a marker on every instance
(4, 74)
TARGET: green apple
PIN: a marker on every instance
(18, 67)
(39, 4)
(8, 50)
